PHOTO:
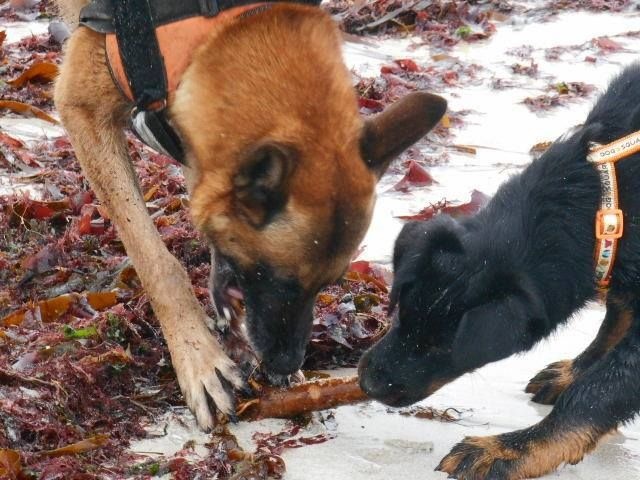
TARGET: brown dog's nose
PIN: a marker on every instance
(283, 363)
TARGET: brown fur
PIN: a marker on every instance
(612, 332)
(490, 457)
(247, 86)
(326, 175)
(548, 384)
(433, 387)
(553, 379)
(484, 451)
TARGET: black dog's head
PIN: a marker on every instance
(458, 306)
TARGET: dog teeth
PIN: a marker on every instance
(227, 313)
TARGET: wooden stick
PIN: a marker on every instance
(303, 398)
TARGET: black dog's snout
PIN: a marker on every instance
(375, 380)
(368, 386)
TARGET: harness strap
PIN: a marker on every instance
(609, 224)
(140, 53)
(98, 14)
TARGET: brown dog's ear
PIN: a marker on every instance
(401, 125)
(261, 184)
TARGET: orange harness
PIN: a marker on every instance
(177, 42)
(150, 43)
(609, 224)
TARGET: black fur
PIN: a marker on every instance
(474, 291)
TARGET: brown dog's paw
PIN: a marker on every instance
(550, 382)
(481, 458)
(207, 377)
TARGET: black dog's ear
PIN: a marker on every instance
(425, 248)
(401, 125)
(508, 324)
(442, 233)
(261, 184)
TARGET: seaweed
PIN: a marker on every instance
(440, 24)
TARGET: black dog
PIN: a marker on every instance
(474, 291)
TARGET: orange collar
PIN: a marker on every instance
(609, 225)
(177, 42)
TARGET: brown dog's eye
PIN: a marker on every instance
(261, 185)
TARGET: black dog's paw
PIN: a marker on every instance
(481, 458)
(550, 382)
(529, 453)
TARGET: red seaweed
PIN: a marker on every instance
(416, 176)
(438, 23)
(478, 200)
(561, 94)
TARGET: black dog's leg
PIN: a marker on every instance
(599, 400)
(550, 382)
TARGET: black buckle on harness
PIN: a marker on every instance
(154, 129)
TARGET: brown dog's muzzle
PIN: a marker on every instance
(278, 312)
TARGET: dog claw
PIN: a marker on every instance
(549, 383)
(207, 376)
(246, 391)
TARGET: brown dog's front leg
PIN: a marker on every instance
(92, 111)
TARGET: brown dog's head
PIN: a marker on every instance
(286, 167)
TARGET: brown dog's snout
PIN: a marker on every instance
(279, 318)
(284, 362)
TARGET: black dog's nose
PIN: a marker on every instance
(371, 379)
(367, 385)
(378, 383)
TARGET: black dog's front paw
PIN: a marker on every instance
(481, 458)
(528, 453)
(551, 381)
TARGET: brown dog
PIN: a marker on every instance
(282, 173)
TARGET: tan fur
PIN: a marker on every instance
(246, 84)
(93, 112)
(536, 458)
(487, 450)
(556, 377)
(69, 10)
(548, 454)
(326, 174)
